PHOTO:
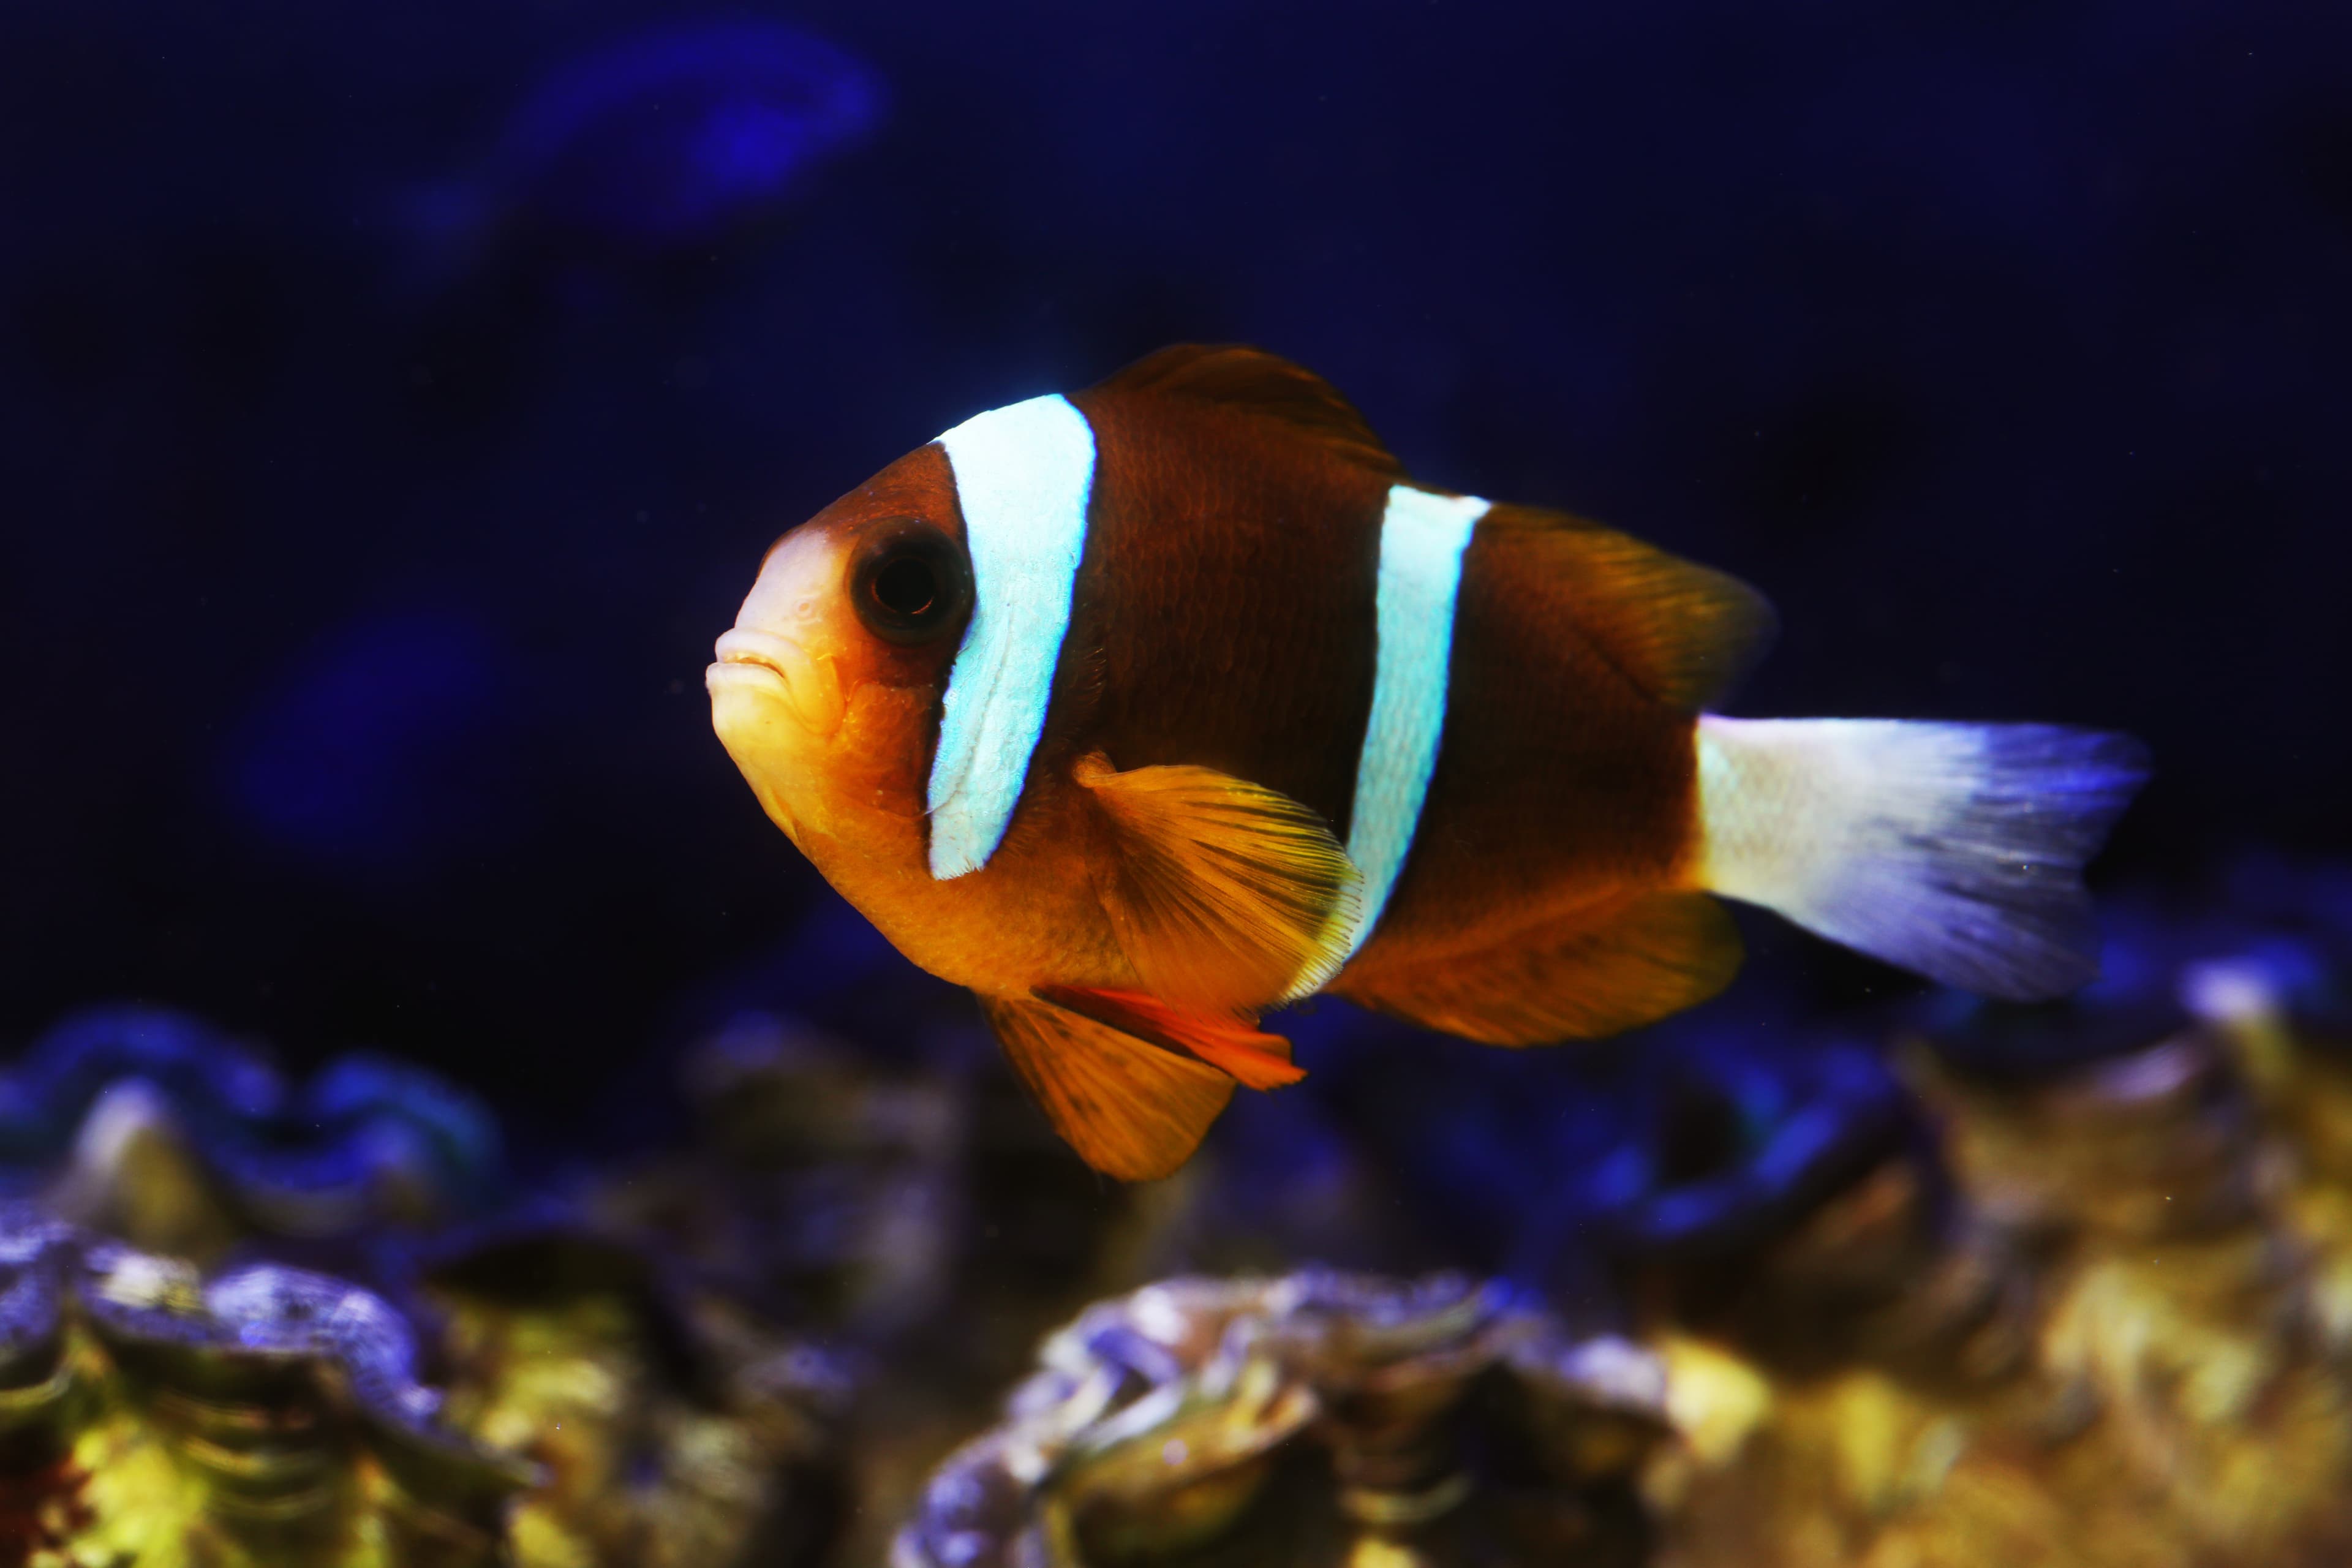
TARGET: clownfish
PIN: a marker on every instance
(1143, 711)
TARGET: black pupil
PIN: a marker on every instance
(908, 586)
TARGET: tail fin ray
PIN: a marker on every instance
(1954, 851)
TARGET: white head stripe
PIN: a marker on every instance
(1023, 475)
(1422, 539)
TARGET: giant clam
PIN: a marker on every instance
(1318, 1417)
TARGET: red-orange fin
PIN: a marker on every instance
(1130, 1108)
(1260, 382)
(1253, 1059)
(1226, 896)
(1684, 633)
(1615, 968)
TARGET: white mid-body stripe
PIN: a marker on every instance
(1022, 476)
(1423, 537)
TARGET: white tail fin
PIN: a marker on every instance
(1954, 851)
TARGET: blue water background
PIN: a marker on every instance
(395, 402)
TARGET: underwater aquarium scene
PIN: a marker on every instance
(1436, 783)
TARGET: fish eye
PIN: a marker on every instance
(911, 584)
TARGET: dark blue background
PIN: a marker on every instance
(367, 520)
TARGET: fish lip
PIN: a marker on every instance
(806, 681)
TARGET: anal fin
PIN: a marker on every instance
(1132, 1109)
(1251, 1058)
(1621, 965)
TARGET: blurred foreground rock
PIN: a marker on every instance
(2106, 1327)
(2072, 1288)
(278, 1417)
(266, 1416)
(2068, 1285)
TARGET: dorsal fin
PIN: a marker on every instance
(1242, 377)
(1684, 634)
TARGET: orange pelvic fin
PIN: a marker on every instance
(1225, 897)
(1256, 382)
(1614, 968)
(1130, 1108)
(1253, 1059)
(1684, 634)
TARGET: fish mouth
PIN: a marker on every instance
(806, 683)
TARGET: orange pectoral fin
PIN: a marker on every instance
(1132, 1109)
(1253, 1059)
(1226, 896)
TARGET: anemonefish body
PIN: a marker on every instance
(1146, 710)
